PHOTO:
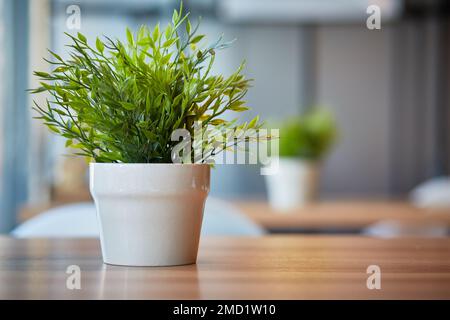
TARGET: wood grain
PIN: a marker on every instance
(271, 267)
(342, 215)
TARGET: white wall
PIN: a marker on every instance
(353, 78)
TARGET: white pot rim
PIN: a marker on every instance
(129, 164)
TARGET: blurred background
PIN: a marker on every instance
(387, 90)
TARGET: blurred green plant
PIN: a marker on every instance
(120, 102)
(308, 136)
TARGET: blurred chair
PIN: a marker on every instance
(80, 220)
(433, 193)
(395, 229)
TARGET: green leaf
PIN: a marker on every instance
(197, 39)
(147, 102)
(77, 146)
(238, 106)
(141, 33)
(165, 59)
(68, 143)
(54, 129)
(55, 55)
(168, 32)
(59, 111)
(156, 34)
(128, 106)
(99, 45)
(175, 17)
(253, 122)
(150, 135)
(168, 43)
(239, 109)
(41, 74)
(216, 122)
(146, 42)
(177, 99)
(81, 37)
(188, 27)
(130, 37)
(60, 69)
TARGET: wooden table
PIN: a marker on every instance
(271, 267)
(341, 216)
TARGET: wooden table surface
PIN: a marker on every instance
(342, 215)
(270, 267)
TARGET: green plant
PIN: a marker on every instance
(308, 136)
(120, 102)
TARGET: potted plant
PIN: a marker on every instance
(303, 142)
(118, 104)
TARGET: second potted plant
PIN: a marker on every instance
(118, 103)
(303, 142)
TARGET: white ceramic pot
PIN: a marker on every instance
(293, 184)
(149, 214)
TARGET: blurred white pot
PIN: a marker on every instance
(149, 214)
(294, 184)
